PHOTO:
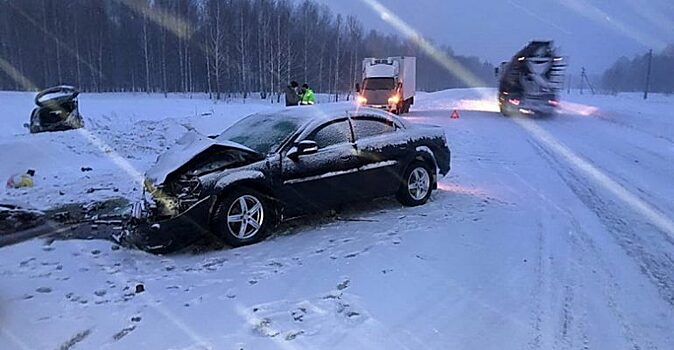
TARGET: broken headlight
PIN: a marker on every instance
(173, 197)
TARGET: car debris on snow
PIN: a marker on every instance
(15, 218)
(57, 110)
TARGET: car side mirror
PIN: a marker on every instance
(25, 125)
(303, 148)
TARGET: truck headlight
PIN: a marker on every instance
(361, 100)
(393, 100)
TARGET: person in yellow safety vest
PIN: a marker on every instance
(20, 181)
(308, 96)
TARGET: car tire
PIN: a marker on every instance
(417, 184)
(243, 216)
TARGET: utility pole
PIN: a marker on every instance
(648, 73)
(568, 89)
(582, 75)
(584, 78)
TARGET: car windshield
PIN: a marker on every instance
(379, 84)
(263, 133)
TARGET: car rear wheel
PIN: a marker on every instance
(417, 185)
(243, 217)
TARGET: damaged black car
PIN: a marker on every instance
(271, 167)
(57, 110)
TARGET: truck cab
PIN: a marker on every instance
(388, 83)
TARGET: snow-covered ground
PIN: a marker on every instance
(549, 233)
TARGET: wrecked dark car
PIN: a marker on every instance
(57, 110)
(272, 167)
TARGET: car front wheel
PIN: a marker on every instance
(243, 217)
(417, 185)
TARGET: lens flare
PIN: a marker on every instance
(593, 173)
(577, 108)
(447, 62)
(482, 105)
(596, 14)
(174, 24)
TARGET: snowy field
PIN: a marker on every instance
(550, 233)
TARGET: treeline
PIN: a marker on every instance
(630, 74)
(215, 46)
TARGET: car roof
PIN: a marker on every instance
(311, 117)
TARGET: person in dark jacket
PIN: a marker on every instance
(293, 94)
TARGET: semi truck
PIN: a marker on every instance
(388, 83)
(530, 82)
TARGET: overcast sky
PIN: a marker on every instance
(593, 33)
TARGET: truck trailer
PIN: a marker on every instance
(531, 81)
(388, 83)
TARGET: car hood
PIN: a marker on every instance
(185, 150)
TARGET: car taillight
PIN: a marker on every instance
(361, 100)
(393, 100)
(514, 101)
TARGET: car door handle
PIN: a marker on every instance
(345, 158)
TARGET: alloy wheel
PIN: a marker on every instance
(245, 217)
(419, 183)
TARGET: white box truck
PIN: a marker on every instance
(388, 83)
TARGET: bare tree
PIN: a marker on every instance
(217, 46)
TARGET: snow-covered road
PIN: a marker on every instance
(547, 234)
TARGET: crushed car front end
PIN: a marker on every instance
(180, 189)
(171, 215)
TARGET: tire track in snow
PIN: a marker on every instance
(593, 202)
(605, 277)
(646, 156)
(545, 140)
(626, 125)
(655, 262)
(536, 292)
(573, 316)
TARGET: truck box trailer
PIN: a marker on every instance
(388, 83)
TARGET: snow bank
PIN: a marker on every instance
(125, 133)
